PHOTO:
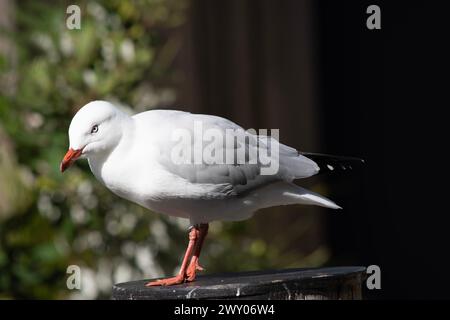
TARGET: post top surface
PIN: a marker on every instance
(250, 283)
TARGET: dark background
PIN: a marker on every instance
(385, 99)
(377, 94)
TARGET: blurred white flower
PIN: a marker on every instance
(97, 11)
(104, 271)
(159, 232)
(86, 193)
(108, 53)
(45, 43)
(113, 227)
(90, 201)
(89, 78)
(128, 249)
(123, 273)
(146, 262)
(127, 51)
(66, 44)
(94, 239)
(128, 221)
(78, 214)
(47, 209)
(33, 120)
(85, 188)
(89, 288)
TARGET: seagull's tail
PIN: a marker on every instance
(285, 193)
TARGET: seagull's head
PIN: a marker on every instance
(95, 129)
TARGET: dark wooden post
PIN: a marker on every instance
(289, 284)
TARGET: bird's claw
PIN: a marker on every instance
(191, 271)
(167, 281)
(199, 267)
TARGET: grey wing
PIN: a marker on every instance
(251, 157)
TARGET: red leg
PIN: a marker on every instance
(194, 265)
(181, 276)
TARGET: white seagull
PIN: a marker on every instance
(133, 156)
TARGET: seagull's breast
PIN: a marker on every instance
(116, 176)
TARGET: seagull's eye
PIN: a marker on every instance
(94, 129)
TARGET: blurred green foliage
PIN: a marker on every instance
(123, 53)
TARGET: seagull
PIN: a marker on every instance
(147, 159)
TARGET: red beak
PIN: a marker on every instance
(70, 158)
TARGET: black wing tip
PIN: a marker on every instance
(329, 163)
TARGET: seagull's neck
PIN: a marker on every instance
(98, 160)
